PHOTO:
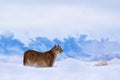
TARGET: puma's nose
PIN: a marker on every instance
(61, 51)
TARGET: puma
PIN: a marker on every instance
(41, 59)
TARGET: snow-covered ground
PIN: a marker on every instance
(11, 68)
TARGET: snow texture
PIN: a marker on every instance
(11, 68)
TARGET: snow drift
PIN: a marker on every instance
(11, 68)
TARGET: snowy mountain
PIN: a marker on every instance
(73, 64)
(80, 47)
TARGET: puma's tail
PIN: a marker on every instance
(24, 59)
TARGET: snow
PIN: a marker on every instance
(11, 68)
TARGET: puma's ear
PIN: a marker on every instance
(55, 45)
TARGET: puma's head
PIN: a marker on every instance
(57, 49)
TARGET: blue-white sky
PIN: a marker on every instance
(60, 18)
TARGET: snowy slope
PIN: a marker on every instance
(67, 69)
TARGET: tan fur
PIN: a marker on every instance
(41, 59)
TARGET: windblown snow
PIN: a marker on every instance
(11, 68)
